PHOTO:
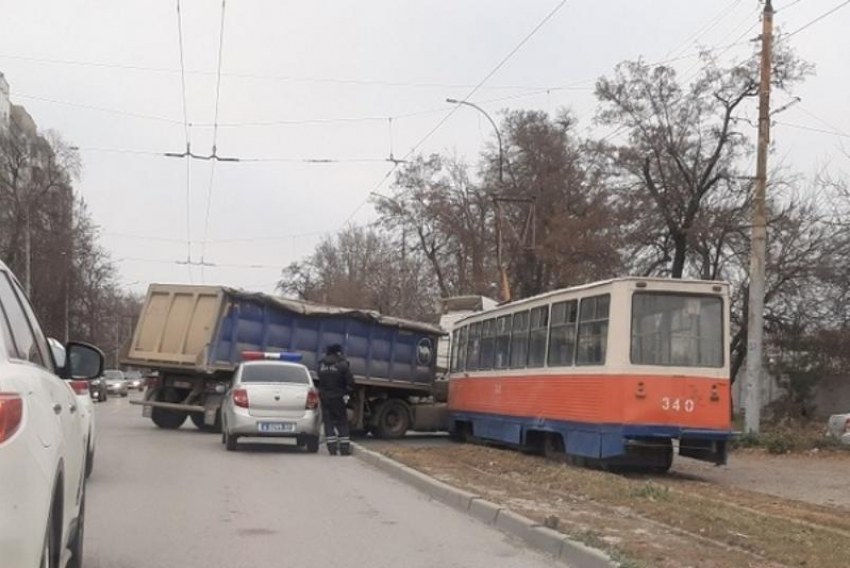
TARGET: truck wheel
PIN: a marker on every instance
(393, 420)
(198, 421)
(168, 419)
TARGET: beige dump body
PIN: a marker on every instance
(175, 326)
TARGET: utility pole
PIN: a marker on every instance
(758, 244)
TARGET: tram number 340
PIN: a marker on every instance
(677, 404)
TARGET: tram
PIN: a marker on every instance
(617, 374)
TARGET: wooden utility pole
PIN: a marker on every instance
(758, 244)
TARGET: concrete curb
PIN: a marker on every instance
(536, 536)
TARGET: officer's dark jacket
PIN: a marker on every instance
(335, 378)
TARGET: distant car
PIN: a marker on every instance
(86, 404)
(115, 382)
(97, 388)
(42, 439)
(839, 426)
(271, 399)
(134, 380)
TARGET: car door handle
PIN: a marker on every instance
(72, 408)
(57, 408)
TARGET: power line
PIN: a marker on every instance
(448, 115)
(816, 20)
(188, 142)
(98, 108)
(707, 27)
(215, 134)
(202, 264)
(813, 129)
(332, 80)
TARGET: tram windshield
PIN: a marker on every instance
(682, 330)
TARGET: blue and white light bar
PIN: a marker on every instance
(282, 356)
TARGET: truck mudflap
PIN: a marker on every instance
(212, 407)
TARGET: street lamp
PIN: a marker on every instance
(503, 273)
(496, 128)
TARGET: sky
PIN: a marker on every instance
(347, 81)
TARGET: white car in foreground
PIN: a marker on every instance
(43, 440)
(86, 403)
(271, 398)
(839, 426)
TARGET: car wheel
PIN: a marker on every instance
(76, 545)
(230, 442)
(312, 443)
(89, 463)
(50, 550)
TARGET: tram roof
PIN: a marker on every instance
(590, 286)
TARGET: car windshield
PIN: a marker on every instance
(275, 373)
(113, 375)
(133, 376)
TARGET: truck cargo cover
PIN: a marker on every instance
(313, 309)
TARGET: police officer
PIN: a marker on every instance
(336, 383)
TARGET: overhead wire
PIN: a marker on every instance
(816, 20)
(215, 134)
(188, 143)
(454, 109)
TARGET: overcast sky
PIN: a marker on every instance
(315, 62)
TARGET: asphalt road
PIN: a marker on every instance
(167, 499)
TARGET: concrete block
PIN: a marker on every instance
(454, 497)
(580, 555)
(484, 510)
(514, 524)
(546, 540)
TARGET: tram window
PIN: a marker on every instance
(562, 335)
(453, 356)
(519, 340)
(593, 330)
(473, 347)
(537, 336)
(503, 342)
(677, 329)
(461, 350)
(488, 344)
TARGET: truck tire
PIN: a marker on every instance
(198, 421)
(168, 419)
(393, 420)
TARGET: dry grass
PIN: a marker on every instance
(649, 521)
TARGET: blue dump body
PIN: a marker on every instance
(380, 350)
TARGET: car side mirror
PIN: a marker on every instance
(58, 351)
(84, 361)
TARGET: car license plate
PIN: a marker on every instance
(277, 427)
(182, 384)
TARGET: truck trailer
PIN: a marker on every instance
(193, 338)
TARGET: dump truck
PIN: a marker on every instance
(192, 338)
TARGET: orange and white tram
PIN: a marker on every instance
(611, 373)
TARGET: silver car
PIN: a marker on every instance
(271, 399)
(134, 380)
(116, 383)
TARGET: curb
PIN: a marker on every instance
(533, 534)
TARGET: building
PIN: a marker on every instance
(5, 104)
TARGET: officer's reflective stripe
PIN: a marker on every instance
(332, 439)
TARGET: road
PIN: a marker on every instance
(165, 499)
